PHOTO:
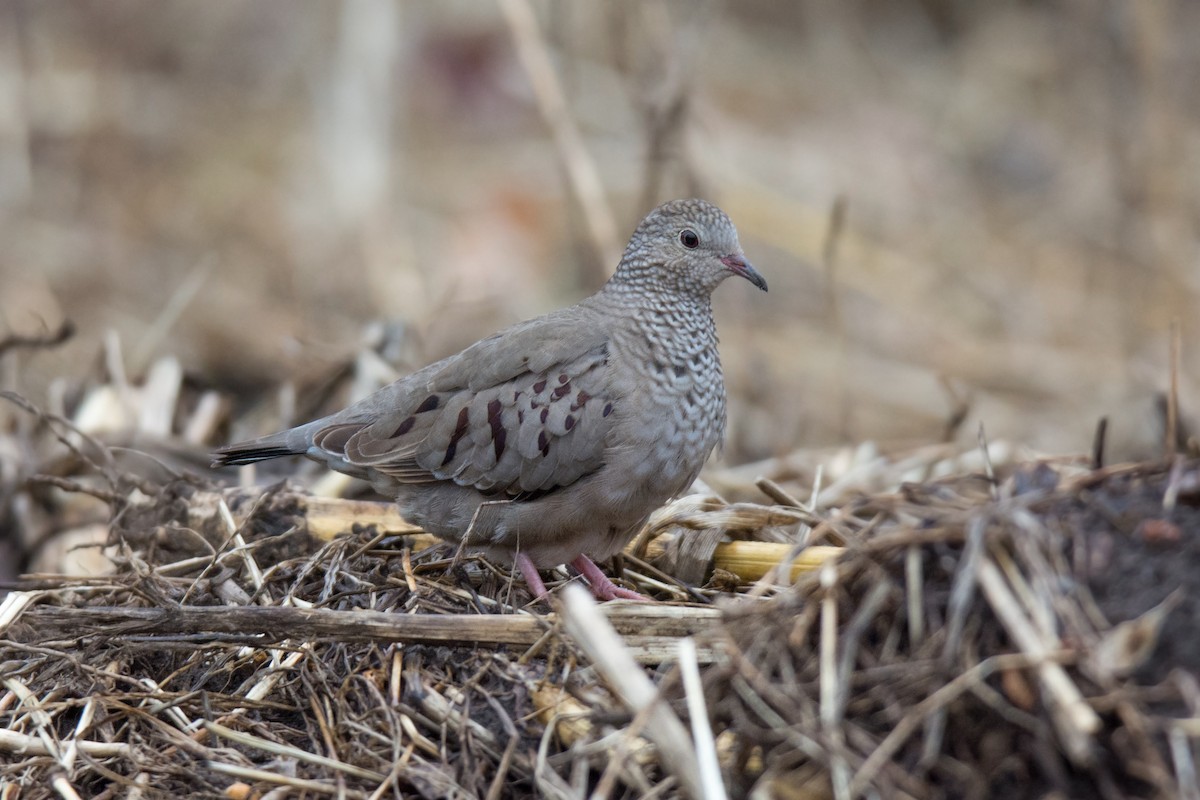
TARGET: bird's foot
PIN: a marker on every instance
(532, 579)
(602, 587)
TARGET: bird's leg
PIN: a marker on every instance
(532, 579)
(602, 587)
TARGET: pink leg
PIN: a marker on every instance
(532, 579)
(602, 587)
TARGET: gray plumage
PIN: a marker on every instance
(557, 437)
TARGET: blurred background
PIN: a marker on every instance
(967, 212)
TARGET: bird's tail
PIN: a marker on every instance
(277, 445)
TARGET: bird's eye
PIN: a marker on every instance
(689, 239)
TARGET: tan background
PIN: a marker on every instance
(248, 185)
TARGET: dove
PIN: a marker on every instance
(553, 440)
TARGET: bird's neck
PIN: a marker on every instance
(664, 317)
(648, 277)
(657, 298)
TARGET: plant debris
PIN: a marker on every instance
(960, 636)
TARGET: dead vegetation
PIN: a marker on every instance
(1017, 627)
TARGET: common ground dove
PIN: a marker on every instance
(553, 440)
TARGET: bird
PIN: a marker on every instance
(553, 440)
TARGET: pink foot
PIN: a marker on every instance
(602, 587)
(532, 579)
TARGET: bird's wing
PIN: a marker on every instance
(524, 411)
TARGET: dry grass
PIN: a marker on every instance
(974, 634)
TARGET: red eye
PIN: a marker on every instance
(689, 239)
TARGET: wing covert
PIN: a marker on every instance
(532, 432)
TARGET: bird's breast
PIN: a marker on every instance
(671, 396)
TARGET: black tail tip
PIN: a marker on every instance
(238, 455)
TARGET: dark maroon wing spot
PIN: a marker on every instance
(543, 444)
(563, 378)
(569, 422)
(520, 415)
(497, 425)
(429, 404)
(460, 430)
(405, 427)
(540, 386)
(545, 415)
(582, 398)
(560, 392)
(607, 409)
(516, 395)
(498, 437)
(460, 427)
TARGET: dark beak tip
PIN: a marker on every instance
(751, 274)
(744, 268)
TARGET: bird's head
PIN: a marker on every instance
(689, 245)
